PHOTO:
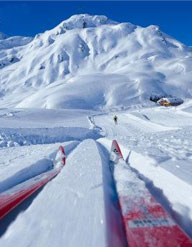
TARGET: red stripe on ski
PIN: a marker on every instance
(16, 195)
(146, 222)
(13, 197)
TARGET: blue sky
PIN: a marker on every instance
(30, 18)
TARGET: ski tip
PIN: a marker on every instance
(61, 149)
(116, 153)
(60, 158)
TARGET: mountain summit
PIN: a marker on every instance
(84, 21)
(93, 62)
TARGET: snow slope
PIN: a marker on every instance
(84, 192)
(82, 73)
(160, 154)
(94, 63)
(64, 218)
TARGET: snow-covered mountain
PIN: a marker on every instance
(87, 63)
(92, 62)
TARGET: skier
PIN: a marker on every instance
(115, 119)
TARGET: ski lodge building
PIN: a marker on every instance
(170, 101)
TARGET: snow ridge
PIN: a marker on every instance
(93, 62)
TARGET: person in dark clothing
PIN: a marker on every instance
(115, 119)
(84, 24)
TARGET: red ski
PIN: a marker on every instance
(146, 222)
(17, 194)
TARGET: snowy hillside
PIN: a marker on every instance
(82, 73)
(93, 62)
(80, 204)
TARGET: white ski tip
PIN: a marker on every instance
(116, 154)
(60, 158)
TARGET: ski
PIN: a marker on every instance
(146, 222)
(17, 194)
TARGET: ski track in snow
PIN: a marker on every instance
(78, 205)
(79, 198)
(160, 155)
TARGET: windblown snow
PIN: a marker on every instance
(63, 87)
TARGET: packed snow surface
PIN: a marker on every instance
(63, 87)
(81, 201)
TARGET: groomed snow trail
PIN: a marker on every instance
(161, 149)
(23, 163)
(71, 209)
(80, 205)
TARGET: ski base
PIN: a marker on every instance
(146, 222)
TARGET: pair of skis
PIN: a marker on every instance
(146, 222)
(17, 194)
